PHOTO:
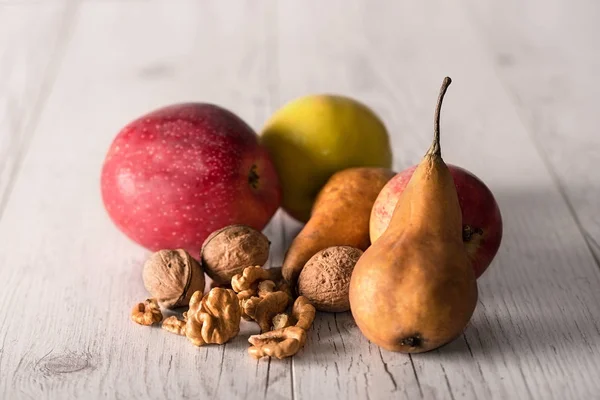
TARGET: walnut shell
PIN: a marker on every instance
(229, 250)
(172, 276)
(325, 279)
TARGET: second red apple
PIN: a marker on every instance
(482, 221)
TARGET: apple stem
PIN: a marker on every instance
(253, 177)
(435, 148)
(469, 232)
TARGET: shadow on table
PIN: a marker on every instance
(540, 295)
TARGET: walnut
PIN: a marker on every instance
(325, 279)
(269, 306)
(213, 319)
(172, 276)
(249, 278)
(248, 307)
(281, 321)
(281, 343)
(253, 285)
(228, 251)
(174, 325)
(246, 294)
(285, 287)
(303, 313)
(266, 287)
(246, 284)
(284, 340)
(146, 313)
(263, 309)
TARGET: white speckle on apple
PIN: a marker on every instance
(184, 168)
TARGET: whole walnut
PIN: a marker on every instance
(229, 250)
(325, 279)
(172, 276)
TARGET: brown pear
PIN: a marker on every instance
(414, 289)
(340, 216)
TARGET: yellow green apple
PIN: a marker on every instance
(312, 137)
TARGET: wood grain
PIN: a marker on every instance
(535, 281)
(32, 41)
(550, 68)
(79, 276)
(81, 71)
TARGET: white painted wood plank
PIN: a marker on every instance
(32, 39)
(73, 277)
(534, 334)
(550, 67)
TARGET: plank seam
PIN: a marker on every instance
(268, 376)
(50, 75)
(447, 381)
(387, 371)
(412, 363)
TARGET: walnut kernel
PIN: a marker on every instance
(281, 321)
(146, 313)
(303, 312)
(215, 318)
(281, 343)
(249, 278)
(266, 287)
(174, 325)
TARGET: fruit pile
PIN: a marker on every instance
(196, 184)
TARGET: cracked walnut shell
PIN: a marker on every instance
(215, 318)
(146, 313)
(229, 250)
(172, 276)
(325, 279)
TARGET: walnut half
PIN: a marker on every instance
(285, 340)
(146, 313)
(174, 325)
(303, 312)
(249, 278)
(262, 294)
(262, 310)
(280, 344)
(214, 318)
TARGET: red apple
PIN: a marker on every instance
(482, 221)
(175, 175)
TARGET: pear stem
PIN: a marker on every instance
(435, 148)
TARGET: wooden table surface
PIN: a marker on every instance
(522, 114)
